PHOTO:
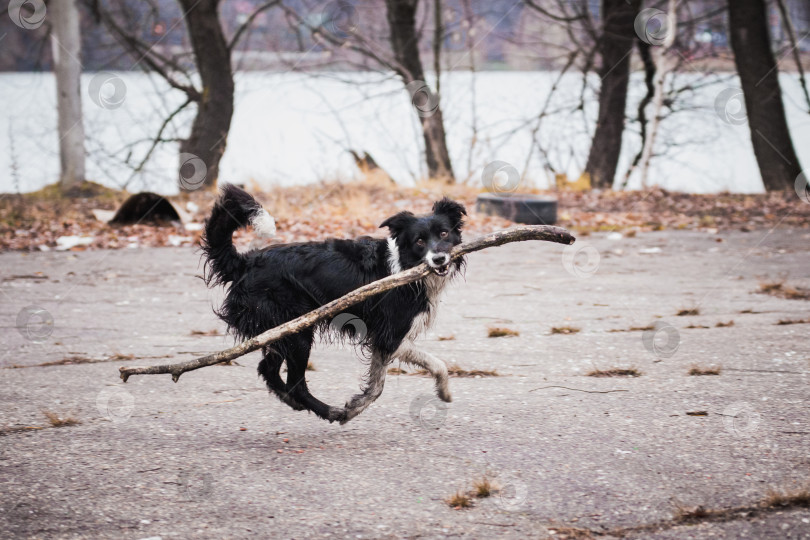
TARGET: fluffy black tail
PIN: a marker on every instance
(234, 209)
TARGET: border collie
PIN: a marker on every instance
(271, 286)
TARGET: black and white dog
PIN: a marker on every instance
(271, 286)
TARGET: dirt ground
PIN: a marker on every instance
(661, 455)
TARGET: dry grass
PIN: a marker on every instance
(696, 326)
(311, 366)
(571, 533)
(121, 357)
(459, 500)
(783, 322)
(698, 370)
(373, 198)
(347, 209)
(454, 370)
(447, 338)
(457, 371)
(614, 372)
(564, 330)
(77, 359)
(213, 332)
(634, 329)
(796, 497)
(484, 487)
(722, 324)
(497, 331)
(780, 290)
(67, 361)
(688, 311)
(70, 360)
(396, 371)
(691, 513)
(58, 421)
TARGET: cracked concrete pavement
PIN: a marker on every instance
(215, 456)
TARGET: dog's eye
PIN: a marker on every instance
(443, 234)
(420, 243)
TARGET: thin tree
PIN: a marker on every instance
(212, 55)
(615, 46)
(67, 67)
(346, 40)
(759, 78)
(214, 98)
(401, 15)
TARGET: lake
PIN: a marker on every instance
(291, 128)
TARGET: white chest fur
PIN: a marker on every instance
(434, 286)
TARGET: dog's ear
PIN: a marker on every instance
(398, 222)
(453, 210)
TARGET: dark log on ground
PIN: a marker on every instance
(516, 234)
(145, 209)
(520, 208)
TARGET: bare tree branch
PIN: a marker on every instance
(154, 60)
(157, 140)
(249, 21)
(794, 46)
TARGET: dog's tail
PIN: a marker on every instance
(234, 209)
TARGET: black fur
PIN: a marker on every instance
(274, 285)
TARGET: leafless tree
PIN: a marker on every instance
(67, 67)
(795, 51)
(773, 147)
(397, 49)
(615, 45)
(202, 150)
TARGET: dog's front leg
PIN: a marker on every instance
(374, 387)
(409, 354)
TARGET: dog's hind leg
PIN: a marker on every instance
(269, 369)
(375, 381)
(409, 354)
(297, 356)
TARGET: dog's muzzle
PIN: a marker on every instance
(439, 263)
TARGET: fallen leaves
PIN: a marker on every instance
(614, 372)
(565, 330)
(781, 290)
(496, 331)
(37, 221)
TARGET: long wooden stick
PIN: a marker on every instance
(515, 234)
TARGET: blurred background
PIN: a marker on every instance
(172, 95)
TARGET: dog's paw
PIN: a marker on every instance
(336, 414)
(349, 414)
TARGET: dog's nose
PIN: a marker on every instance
(441, 259)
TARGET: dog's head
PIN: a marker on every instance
(428, 238)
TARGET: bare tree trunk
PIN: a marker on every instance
(209, 131)
(645, 52)
(401, 16)
(615, 47)
(664, 65)
(66, 42)
(759, 78)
